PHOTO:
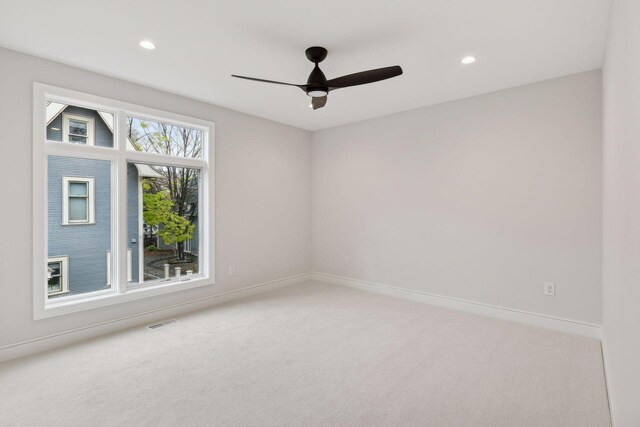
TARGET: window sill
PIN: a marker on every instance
(58, 293)
(62, 307)
(78, 223)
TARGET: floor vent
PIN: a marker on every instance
(160, 325)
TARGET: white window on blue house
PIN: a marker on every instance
(78, 129)
(124, 192)
(58, 275)
(78, 200)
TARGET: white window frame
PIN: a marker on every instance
(90, 121)
(108, 285)
(91, 201)
(119, 157)
(64, 274)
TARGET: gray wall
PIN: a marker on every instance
(261, 195)
(621, 326)
(482, 199)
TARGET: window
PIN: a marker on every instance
(78, 201)
(57, 275)
(134, 218)
(78, 129)
(171, 196)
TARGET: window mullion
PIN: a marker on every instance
(77, 150)
(161, 159)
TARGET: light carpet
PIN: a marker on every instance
(314, 355)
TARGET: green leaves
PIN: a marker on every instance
(177, 229)
(158, 210)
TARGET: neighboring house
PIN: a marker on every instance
(79, 205)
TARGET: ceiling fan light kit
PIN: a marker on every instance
(318, 87)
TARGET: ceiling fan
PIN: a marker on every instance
(317, 86)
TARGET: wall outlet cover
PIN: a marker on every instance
(550, 289)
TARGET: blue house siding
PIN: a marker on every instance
(132, 219)
(103, 137)
(194, 239)
(86, 245)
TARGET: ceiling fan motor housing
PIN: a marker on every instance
(316, 54)
(317, 83)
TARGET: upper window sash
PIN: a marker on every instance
(121, 111)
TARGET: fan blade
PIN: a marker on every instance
(318, 102)
(269, 81)
(364, 77)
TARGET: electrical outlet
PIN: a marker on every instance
(346, 260)
(550, 289)
(232, 270)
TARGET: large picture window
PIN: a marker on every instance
(125, 191)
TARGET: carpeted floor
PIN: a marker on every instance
(314, 355)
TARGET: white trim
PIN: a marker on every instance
(606, 363)
(119, 156)
(140, 233)
(108, 297)
(536, 319)
(108, 285)
(47, 342)
(129, 265)
(64, 274)
(91, 204)
(91, 125)
(53, 110)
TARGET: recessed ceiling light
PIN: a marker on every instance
(468, 60)
(147, 44)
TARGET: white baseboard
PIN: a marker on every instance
(535, 319)
(607, 375)
(36, 345)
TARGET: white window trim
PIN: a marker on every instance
(90, 127)
(129, 266)
(108, 285)
(64, 274)
(91, 200)
(119, 156)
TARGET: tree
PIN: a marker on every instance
(158, 209)
(156, 206)
(180, 184)
(177, 229)
(172, 140)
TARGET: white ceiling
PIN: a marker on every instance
(200, 43)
